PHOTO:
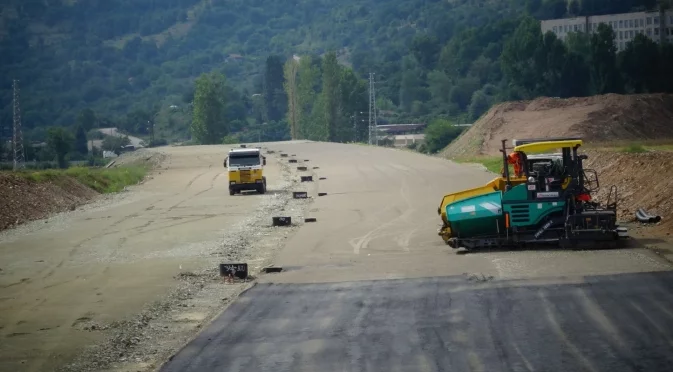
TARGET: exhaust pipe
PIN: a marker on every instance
(644, 217)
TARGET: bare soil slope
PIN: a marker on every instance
(610, 117)
(643, 181)
(25, 200)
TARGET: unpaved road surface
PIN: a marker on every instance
(371, 287)
(81, 278)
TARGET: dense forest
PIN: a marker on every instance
(133, 63)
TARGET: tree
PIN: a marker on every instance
(518, 60)
(115, 143)
(354, 99)
(604, 73)
(290, 85)
(273, 92)
(439, 134)
(575, 76)
(641, 51)
(549, 59)
(478, 105)
(87, 119)
(580, 43)
(308, 77)
(60, 142)
(532, 6)
(330, 94)
(409, 88)
(138, 121)
(80, 141)
(209, 125)
(573, 8)
(426, 49)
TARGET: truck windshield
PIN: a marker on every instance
(244, 160)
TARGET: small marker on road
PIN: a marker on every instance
(281, 221)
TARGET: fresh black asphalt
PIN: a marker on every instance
(602, 323)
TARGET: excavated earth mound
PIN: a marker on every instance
(605, 118)
(643, 180)
(26, 200)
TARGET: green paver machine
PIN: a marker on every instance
(547, 201)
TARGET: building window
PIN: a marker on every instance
(554, 29)
(649, 20)
(565, 28)
(649, 32)
(630, 23)
(621, 35)
(656, 20)
(621, 24)
(656, 32)
(574, 27)
(642, 23)
(632, 33)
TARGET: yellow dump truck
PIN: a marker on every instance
(245, 167)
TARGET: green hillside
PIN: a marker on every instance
(135, 61)
(118, 55)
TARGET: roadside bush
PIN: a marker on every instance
(439, 134)
(230, 140)
(158, 142)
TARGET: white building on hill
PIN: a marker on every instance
(658, 26)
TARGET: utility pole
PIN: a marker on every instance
(17, 138)
(372, 110)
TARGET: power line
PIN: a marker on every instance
(17, 139)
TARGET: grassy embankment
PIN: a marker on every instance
(632, 147)
(492, 163)
(101, 180)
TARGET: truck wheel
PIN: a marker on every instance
(231, 192)
(261, 189)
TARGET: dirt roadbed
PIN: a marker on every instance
(123, 283)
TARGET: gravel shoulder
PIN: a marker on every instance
(124, 282)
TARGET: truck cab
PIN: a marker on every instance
(245, 168)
